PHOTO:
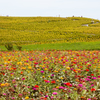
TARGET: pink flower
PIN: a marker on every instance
(13, 97)
(4, 93)
(54, 93)
(87, 79)
(54, 88)
(92, 84)
(80, 85)
(52, 97)
(23, 78)
(28, 86)
(61, 87)
(52, 74)
(42, 71)
(34, 88)
(20, 94)
(46, 96)
(94, 78)
(99, 76)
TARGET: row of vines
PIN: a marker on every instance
(34, 30)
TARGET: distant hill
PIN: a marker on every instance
(38, 30)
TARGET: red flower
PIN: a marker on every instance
(43, 98)
(68, 84)
(92, 74)
(35, 63)
(21, 72)
(13, 68)
(74, 70)
(47, 81)
(2, 73)
(53, 82)
(87, 70)
(36, 86)
(93, 89)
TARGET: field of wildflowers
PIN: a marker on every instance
(50, 75)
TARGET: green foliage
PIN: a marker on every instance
(39, 30)
(9, 46)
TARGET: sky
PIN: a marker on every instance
(50, 8)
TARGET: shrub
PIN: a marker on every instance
(9, 46)
(19, 47)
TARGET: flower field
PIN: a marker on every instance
(50, 75)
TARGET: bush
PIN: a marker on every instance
(9, 46)
(19, 47)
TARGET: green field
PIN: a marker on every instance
(51, 32)
(59, 46)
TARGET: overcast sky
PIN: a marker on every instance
(54, 8)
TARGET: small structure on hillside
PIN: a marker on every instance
(85, 25)
(92, 22)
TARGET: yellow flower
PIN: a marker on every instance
(27, 97)
(6, 84)
(38, 69)
(49, 76)
(59, 58)
(78, 69)
(43, 76)
(23, 68)
(29, 67)
(67, 67)
(2, 84)
(57, 80)
(63, 70)
(40, 65)
(27, 56)
(56, 71)
(11, 74)
(5, 61)
(45, 58)
(61, 78)
(45, 69)
(75, 88)
(57, 86)
(94, 66)
(28, 71)
(43, 65)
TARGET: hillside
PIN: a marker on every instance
(38, 30)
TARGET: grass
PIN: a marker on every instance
(60, 46)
